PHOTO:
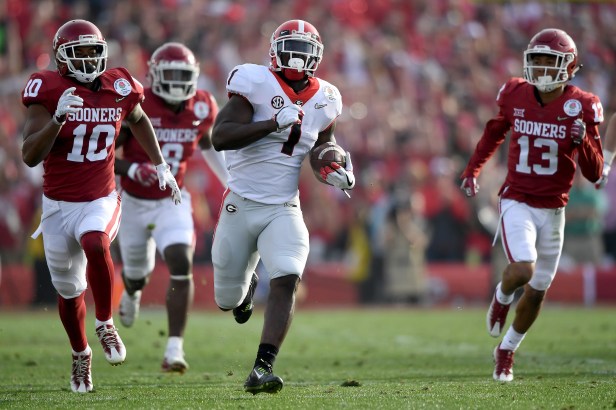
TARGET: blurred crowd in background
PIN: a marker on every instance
(418, 80)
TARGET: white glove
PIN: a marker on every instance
(287, 116)
(166, 177)
(470, 186)
(68, 102)
(144, 173)
(339, 177)
(603, 180)
(608, 157)
(578, 131)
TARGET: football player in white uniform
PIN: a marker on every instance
(273, 117)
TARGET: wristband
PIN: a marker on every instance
(608, 156)
(132, 170)
(58, 121)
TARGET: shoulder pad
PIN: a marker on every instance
(242, 78)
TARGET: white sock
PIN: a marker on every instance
(501, 297)
(512, 339)
(86, 351)
(98, 323)
(175, 343)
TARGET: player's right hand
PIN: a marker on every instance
(603, 180)
(470, 186)
(144, 173)
(287, 116)
(578, 131)
(67, 103)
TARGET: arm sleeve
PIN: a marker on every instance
(590, 155)
(493, 136)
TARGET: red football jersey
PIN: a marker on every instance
(178, 135)
(541, 161)
(80, 165)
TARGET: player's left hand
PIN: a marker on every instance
(603, 180)
(469, 186)
(166, 177)
(578, 131)
(339, 177)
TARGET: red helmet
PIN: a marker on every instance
(174, 72)
(552, 42)
(74, 34)
(296, 49)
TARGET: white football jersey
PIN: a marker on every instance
(267, 171)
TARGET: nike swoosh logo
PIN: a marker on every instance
(561, 118)
(195, 123)
(120, 99)
(318, 106)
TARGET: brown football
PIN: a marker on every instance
(323, 155)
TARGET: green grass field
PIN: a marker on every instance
(350, 359)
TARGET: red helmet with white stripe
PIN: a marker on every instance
(558, 44)
(69, 43)
(174, 72)
(296, 49)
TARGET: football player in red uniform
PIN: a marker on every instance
(182, 117)
(274, 116)
(552, 123)
(73, 117)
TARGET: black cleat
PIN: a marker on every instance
(263, 380)
(243, 312)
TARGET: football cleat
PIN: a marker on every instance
(129, 308)
(263, 380)
(243, 312)
(503, 364)
(174, 362)
(114, 349)
(81, 373)
(496, 317)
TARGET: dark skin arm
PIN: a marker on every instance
(40, 133)
(233, 128)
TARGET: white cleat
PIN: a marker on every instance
(81, 373)
(114, 349)
(174, 361)
(503, 365)
(129, 308)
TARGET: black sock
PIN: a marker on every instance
(267, 353)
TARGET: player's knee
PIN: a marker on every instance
(95, 243)
(178, 262)
(286, 283)
(133, 285)
(68, 289)
(228, 297)
(520, 272)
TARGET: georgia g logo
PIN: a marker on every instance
(231, 208)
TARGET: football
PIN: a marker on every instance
(323, 155)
